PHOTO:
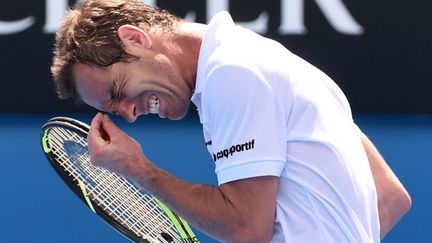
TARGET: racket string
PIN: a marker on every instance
(121, 204)
(139, 212)
(136, 224)
(122, 199)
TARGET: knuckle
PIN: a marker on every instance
(96, 156)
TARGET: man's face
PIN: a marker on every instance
(133, 89)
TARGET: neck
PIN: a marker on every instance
(185, 44)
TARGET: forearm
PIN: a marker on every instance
(190, 201)
(206, 207)
(393, 199)
(237, 211)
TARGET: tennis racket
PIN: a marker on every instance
(136, 214)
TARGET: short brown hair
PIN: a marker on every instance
(88, 34)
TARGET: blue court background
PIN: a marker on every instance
(37, 207)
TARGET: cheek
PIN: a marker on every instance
(134, 90)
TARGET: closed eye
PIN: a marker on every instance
(116, 94)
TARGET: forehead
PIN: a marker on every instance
(92, 84)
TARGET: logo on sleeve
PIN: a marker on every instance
(234, 149)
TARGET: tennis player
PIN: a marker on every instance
(291, 164)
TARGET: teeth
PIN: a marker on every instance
(154, 105)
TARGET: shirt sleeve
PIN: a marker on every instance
(247, 124)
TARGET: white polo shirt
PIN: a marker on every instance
(265, 111)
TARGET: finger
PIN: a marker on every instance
(102, 130)
(95, 135)
(109, 127)
(96, 141)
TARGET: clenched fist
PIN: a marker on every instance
(113, 149)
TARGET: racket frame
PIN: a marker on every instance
(75, 185)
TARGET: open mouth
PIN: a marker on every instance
(154, 104)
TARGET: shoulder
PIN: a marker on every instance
(236, 79)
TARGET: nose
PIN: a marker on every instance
(128, 110)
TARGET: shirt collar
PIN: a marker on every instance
(211, 40)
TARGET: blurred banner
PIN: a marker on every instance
(379, 52)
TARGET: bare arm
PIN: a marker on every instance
(239, 211)
(393, 199)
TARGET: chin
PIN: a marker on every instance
(177, 112)
(176, 117)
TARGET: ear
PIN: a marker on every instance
(132, 36)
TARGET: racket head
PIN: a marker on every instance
(64, 142)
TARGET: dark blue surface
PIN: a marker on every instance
(38, 207)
